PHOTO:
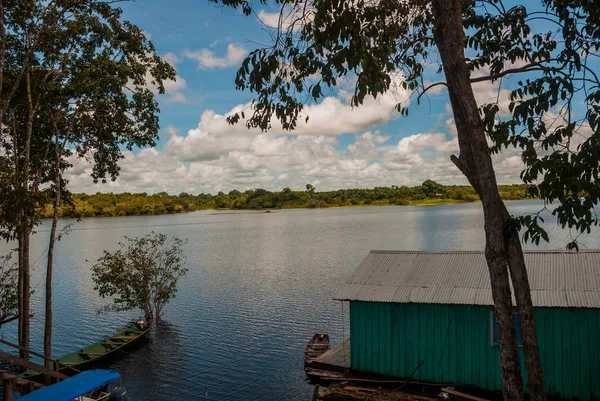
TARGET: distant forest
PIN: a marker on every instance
(128, 204)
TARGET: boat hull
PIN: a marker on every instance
(98, 354)
(317, 346)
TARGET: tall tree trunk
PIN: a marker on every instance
(476, 164)
(24, 287)
(48, 318)
(21, 310)
(26, 291)
(522, 290)
(27, 220)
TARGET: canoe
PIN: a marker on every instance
(317, 346)
(96, 353)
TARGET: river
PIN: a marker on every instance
(259, 285)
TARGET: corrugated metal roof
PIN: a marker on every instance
(557, 278)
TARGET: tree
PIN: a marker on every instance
(9, 300)
(74, 79)
(375, 40)
(142, 274)
(431, 188)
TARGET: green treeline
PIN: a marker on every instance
(128, 204)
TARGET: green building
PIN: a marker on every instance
(428, 316)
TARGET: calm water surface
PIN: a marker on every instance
(259, 285)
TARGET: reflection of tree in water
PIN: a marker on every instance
(146, 366)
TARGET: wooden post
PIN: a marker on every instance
(315, 395)
(30, 387)
(7, 389)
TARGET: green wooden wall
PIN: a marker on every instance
(452, 344)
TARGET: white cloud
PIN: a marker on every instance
(215, 156)
(289, 18)
(172, 130)
(207, 59)
(219, 41)
(173, 89)
(334, 115)
(271, 20)
(171, 58)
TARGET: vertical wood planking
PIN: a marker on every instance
(454, 343)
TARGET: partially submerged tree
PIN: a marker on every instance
(142, 274)
(318, 43)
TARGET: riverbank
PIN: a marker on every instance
(216, 211)
(142, 204)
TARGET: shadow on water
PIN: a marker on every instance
(156, 365)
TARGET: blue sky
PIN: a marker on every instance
(341, 147)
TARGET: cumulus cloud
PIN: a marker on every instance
(215, 156)
(207, 59)
(274, 162)
(334, 115)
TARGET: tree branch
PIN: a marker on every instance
(10, 319)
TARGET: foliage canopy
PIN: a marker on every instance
(128, 204)
(83, 79)
(141, 274)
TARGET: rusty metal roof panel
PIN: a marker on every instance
(557, 278)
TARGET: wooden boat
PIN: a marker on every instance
(317, 346)
(93, 354)
(93, 385)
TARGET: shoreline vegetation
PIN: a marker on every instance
(143, 204)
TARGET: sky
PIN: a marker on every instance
(340, 147)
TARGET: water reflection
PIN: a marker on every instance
(258, 287)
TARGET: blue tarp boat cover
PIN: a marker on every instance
(73, 387)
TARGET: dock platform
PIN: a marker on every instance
(337, 359)
(11, 382)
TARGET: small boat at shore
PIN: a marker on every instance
(101, 351)
(317, 346)
(97, 385)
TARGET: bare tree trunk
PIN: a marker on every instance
(48, 318)
(21, 310)
(26, 292)
(522, 290)
(27, 223)
(476, 164)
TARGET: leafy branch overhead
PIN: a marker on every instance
(554, 115)
(142, 274)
